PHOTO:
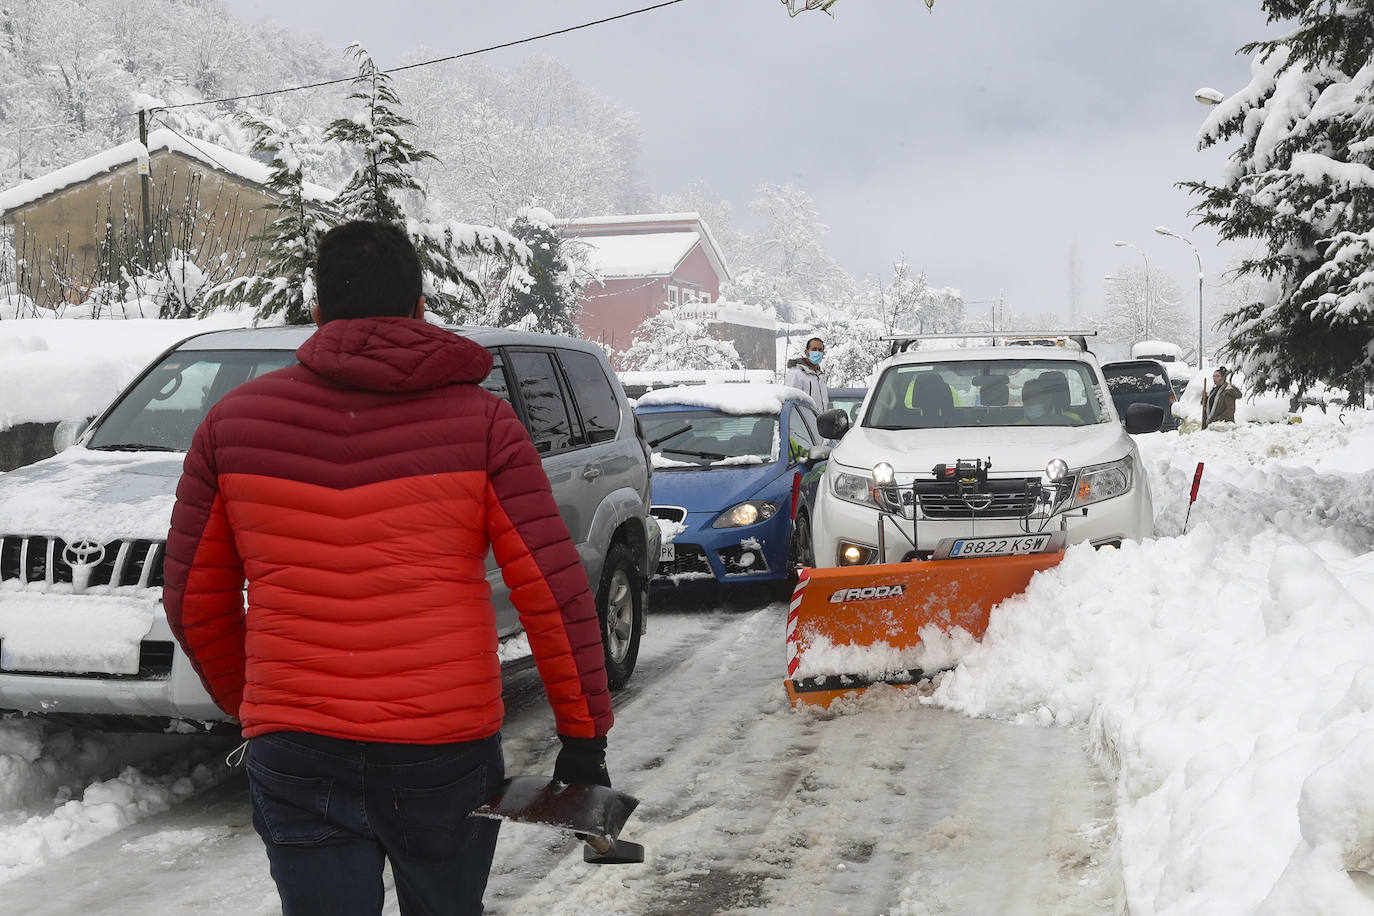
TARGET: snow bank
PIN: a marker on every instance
(54, 368)
(1226, 674)
(62, 788)
(730, 398)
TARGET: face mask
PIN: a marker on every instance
(815, 356)
(1034, 411)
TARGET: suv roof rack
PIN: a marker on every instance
(901, 342)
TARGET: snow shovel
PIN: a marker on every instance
(594, 813)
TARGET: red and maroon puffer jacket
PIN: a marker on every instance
(357, 493)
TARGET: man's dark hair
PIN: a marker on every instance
(808, 343)
(367, 270)
(1221, 370)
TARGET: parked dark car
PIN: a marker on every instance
(735, 472)
(1140, 381)
(849, 400)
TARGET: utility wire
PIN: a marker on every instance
(426, 63)
(349, 79)
(193, 145)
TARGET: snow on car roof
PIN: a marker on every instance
(731, 398)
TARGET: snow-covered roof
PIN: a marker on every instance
(651, 254)
(631, 224)
(216, 157)
(736, 398)
(729, 313)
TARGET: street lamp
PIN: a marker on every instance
(1174, 235)
(1208, 96)
(1120, 244)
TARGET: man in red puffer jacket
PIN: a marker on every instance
(357, 494)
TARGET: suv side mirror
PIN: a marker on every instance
(833, 424)
(1144, 418)
(67, 431)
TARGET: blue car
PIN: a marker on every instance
(736, 468)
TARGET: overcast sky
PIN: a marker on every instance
(983, 140)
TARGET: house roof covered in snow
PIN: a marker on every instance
(645, 244)
(209, 154)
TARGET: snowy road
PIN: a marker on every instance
(746, 807)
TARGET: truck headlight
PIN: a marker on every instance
(854, 488)
(1103, 481)
(746, 513)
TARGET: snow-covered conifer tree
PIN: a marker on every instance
(1301, 183)
(384, 187)
(546, 298)
(666, 341)
(286, 283)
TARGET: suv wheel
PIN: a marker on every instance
(620, 605)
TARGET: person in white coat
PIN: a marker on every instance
(805, 374)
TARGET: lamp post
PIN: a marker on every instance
(1120, 244)
(1174, 235)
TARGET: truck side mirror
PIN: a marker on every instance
(67, 431)
(833, 424)
(1144, 418)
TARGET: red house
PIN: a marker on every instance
(646, 262)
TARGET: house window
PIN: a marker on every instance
(672, 295)
(705, 296)
(689, 295)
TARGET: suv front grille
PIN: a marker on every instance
(49, 561)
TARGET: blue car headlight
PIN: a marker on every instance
(746, 513)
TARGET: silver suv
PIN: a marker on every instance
(82, 632)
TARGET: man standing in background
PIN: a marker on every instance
(805, 374)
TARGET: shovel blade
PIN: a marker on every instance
(580, 807)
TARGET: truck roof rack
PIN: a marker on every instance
(901, 342)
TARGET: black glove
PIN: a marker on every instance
(582, 760)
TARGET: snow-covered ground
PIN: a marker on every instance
(1223, 678)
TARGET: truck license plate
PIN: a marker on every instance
(999, 546)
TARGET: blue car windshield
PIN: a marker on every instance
(694, 439)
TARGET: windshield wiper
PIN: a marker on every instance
(672, 435)
(132, 447)
(682, 451)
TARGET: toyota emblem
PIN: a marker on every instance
(83, 553)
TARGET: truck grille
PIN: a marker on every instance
(1013, 498)
(49, 561)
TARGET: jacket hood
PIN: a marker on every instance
(393, 355)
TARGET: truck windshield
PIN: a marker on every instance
(1004, 392)
(162, 410)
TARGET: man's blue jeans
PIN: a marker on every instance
(332, 811)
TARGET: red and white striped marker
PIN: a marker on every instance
(793, 660)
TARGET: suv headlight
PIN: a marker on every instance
(746, 513)
(1103, 481)
(854, 488)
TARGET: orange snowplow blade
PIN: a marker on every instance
(863, 606)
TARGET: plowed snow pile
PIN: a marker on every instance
(1226, 674)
